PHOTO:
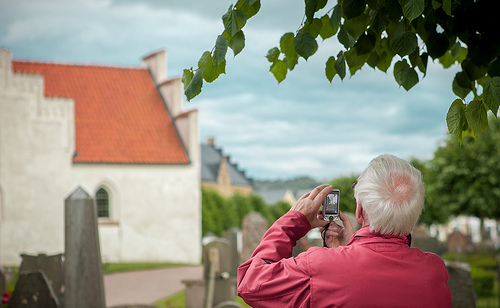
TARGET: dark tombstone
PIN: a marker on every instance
(460, 283)
(33, 290)
(83, 278)
(457, 242)
(51, 266)
(254, 226)
(234, 237)
(3, 280)
(425, 243)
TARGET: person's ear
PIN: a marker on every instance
(360, 214)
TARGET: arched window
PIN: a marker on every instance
(102, 202)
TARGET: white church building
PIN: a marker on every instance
(119, 133)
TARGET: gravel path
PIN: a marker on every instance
(146, 287)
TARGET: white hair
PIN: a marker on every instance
(391, 193)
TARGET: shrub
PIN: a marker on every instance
(483, 281)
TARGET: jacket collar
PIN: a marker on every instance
(366, 233)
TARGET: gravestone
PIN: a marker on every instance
(220, 286)
(460, 283)
(425, 243)
(3, 280)
(33, 290)
(51, 266)
(254, 226)
(83, 277)
(457, 242)
(233, 235)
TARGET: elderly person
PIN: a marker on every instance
(374, 267)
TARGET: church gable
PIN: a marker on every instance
(120, 116)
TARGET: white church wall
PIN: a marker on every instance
(155, 206)
(36, 138)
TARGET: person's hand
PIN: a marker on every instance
(337, 235)
(310, 203)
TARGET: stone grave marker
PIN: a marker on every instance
(233, 235)
(33, 290)
(220, 286)
(254, 226)
(51, 266)
(3, 280)
(83, 277)
(457, 242)
(460, 283)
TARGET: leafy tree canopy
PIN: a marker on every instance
(378, 33)
(465, 179)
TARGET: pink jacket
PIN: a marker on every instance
(372, 270)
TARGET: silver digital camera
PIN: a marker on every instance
(330, 209)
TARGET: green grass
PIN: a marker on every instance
(178, 300)
(125, 267)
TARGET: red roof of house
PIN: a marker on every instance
(120, 116)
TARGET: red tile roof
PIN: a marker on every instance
(119, 114)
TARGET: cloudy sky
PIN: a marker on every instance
(303, 126)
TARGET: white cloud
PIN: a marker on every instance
(303, 126)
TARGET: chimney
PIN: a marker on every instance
(157, 65)
(211, 141)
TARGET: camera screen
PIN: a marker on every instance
(331, 204)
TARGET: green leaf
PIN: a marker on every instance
(207, 66)
(379, 22)
(310, 9)
(220, 50)
(405, 75)
(194, 86)
(403, 42)
(291, 61)
(340, 65)
(476, 116)
(287, 47)
(279, 70)
(384, 61)
(237, 42)
(353, 8)
(491, 94)
(419, 61)
(357, 26)
(447, 7)
(286, 44)
(330, 70)
(473, 71)
(326, 30)
(234, 21)
(461, 85)
(344, 38)
(365, 44)
(437, 44)
(314, 27)
(412, 8)
(355, 61)
(273, 54)
(373, 59)
(447, 60)
(305, 45)
(336, 16)
(385, 53)
(455, 119)
(187, 75)
(436, 5)
(249, 7)
(320, 4)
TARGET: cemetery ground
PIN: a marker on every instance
(484, 273)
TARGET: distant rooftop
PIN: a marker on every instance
(211, 158)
